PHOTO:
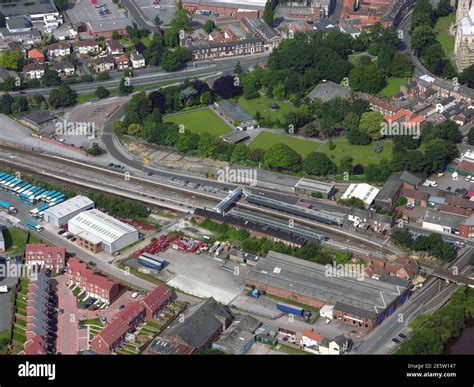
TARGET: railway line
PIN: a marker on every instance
(23, 161)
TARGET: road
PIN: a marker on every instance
(426, 301)
(155, 74)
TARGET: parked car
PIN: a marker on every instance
(409, 206)
(61, 232)
(449, 188)
(395, 340)
(403, 336)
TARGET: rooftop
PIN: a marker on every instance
(314, 185)
(102, 225)
(69, 206)
(368, 297)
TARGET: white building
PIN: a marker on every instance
(97, 231)
(2, 239)
(363, 191)
(60, 214)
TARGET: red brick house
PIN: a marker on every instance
(50, 257)
(157, 300)
(466, 229)
(36, 56)
(88, 280)
(127, 320)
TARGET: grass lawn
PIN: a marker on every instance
(261, 104)
(93, 321)
(266, 140)
(393, 87)
(15, 240)
(361, 154)
(441, 27)
(200, 121)
(33, 239)
(291, 350)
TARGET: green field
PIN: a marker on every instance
(200, 121)
(361, 154)
(442, 27)
(266, 140)
(393, 87)
(15, 240)
(261, 104)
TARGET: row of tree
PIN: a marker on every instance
(424, 41)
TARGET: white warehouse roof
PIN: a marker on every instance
(101, 225)
(362, 191)
(69, 206)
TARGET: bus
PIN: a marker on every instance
(56, 199)
(25, 188)
(52, 194)
(20, 186)
(7, 181)
(33, 226)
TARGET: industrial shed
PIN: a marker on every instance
(97, 231)
(359, 303)
(60, 214)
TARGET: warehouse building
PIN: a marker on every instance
(310, 187)
(97, 231)
(363, 191)
(62, 213)
(362, 303)
(236, 8)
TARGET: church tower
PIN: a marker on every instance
(463, 9)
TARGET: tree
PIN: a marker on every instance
(125, 87)
(368, 79)
(401, 66)
(61, 4)
(319, 164)
(371, 124)
(187, 141)
(257, 155)
(174, 60)
(250, 86)
(240, 153)
(384, 59)
(470, 136)
(421, 38)
(282, 157)
(358, 137)
(227, 87)
(51, 78)
(64, 96)
(238, 68)
(444, 8)
(467, 77)
(268, 13)
(209, 26)
(12, 60)
(94, 150)
(103, 76)
(101, 92)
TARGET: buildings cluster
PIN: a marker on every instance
(126, 321)
(37, 330)
(94, 230)
(353, 299)
(464, 38)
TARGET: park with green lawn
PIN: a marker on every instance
(262, 105)
(266, 140)
(361, 154)
(200, 121)
(443, 36)
(392, 88)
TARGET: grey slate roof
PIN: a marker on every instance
(201, 322)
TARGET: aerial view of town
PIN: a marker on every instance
(237, 177)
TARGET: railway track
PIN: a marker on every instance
(20, 161)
